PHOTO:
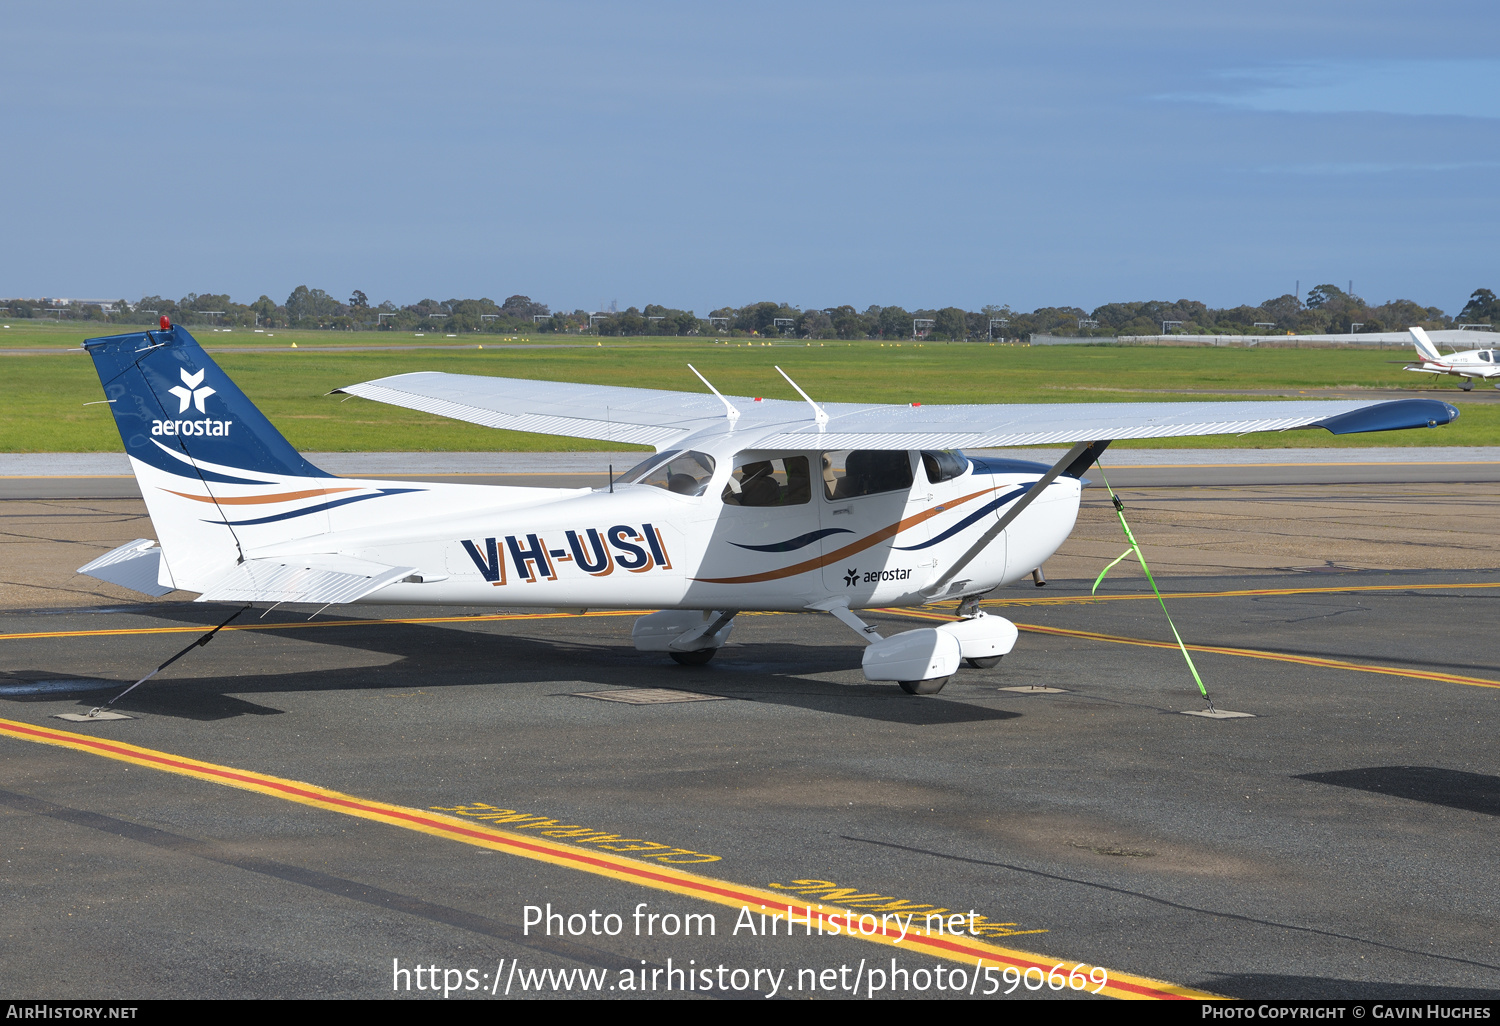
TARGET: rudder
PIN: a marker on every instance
(1425, 349)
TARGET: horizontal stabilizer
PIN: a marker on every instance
(134, 565)
(320, 579)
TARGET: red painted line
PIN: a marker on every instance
(445, 826)
(620, 866)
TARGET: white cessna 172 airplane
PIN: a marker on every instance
(1470, 364)
(748, 504)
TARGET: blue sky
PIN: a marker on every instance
(700, 155)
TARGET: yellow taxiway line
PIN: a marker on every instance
(924, 614)
(307, 624)
(1069, 600)
(1247, 653)
(1049, 600)
(952, 947)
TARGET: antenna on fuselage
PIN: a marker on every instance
(732, 413)
(819, 414)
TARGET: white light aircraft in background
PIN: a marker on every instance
(1469, 364)
(747, 504)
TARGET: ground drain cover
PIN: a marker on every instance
(648, 696)
(1027, 690)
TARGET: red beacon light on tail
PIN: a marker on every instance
(166, 323)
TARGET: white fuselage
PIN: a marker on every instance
(1473, 363)
(640, 546)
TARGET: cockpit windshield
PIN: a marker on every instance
(686, 473)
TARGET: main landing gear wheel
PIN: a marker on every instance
(697, 658)
(923, 687)
(1468, 385)
(984, 662)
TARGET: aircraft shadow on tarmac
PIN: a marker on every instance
(1471, 792)
(1326, 988)
(450, 656)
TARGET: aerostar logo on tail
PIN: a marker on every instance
(192, 393)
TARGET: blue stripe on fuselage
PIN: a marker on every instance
(971, 519)
(314, 509)
(793, 544)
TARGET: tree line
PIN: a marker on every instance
(1325, 309)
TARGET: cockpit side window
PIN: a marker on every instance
(852, 472)
(686, 473)
(783, 481)
(1486, 355)
(944, 464)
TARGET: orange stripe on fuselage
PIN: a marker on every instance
(256, 500)
(848, 550)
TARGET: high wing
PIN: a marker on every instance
(609, 413)
(664, 419)
(983, 427)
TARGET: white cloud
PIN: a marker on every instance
(1429, 87)
(1377, 167)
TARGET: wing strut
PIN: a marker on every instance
(1077, 460)
(820, 416)
(732, 413)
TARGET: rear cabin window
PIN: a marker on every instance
(784, 481)
(686, 473)
(944, 464)
(852, 472)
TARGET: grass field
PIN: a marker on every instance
(42, 395)
(23, 334)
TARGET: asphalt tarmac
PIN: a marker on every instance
(270, 823)
(1354, 468)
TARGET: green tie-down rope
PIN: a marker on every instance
(1135, 549)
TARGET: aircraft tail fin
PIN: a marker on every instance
(1425, 348)
(201, 452)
